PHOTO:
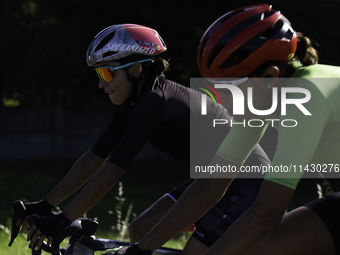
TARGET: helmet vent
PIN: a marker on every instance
(268, 14)
(105, 41)
(233, 32)
(236, 58)
(288, 35)
(224, 19)
(274, 32)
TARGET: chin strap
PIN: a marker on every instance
(261, 84)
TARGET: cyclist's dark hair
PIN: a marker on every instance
(305, 53)
(150, 69)
(154, 68)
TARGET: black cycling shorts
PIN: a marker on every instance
(239, 197)
(328, 209)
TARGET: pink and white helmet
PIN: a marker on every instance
(120, 41)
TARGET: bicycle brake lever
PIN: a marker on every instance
(73, 229)
(18, 214)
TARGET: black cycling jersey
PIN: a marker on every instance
(160, 116)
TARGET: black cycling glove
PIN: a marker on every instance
(51, 226)
(132, 250)
(39, 208)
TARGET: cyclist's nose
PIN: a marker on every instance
(102, 83)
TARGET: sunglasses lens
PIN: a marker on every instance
(105, 73)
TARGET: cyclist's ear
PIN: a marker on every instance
(271, 74)
(136, 69)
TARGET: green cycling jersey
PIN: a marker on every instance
(314, 140)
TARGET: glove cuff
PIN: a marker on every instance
(46, 204)
(64, 218)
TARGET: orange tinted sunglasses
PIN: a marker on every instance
(106, 72)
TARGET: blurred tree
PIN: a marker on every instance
(43, 43)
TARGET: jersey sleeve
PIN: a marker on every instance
(240, 142)
(145, 117)
(113, 133)
(297, 145)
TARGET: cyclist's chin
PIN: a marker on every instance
(116, 99)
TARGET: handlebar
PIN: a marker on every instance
(82, 225)
(82, 231)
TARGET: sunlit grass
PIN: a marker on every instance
(20, 245)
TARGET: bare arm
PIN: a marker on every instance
(198, 198)
(256, 223)
(94, 191)
(85, 167)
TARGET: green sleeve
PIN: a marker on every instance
(240, 142)
(297, 145)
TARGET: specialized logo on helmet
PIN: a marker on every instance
(127, 47)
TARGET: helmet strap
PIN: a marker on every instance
(261, 85)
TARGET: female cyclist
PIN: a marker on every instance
(150, 109)
(257, 44)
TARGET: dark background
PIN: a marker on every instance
(43, 43)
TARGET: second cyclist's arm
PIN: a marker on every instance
(85, 167)
(100, 184)
(198, 198)
(296, 146)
